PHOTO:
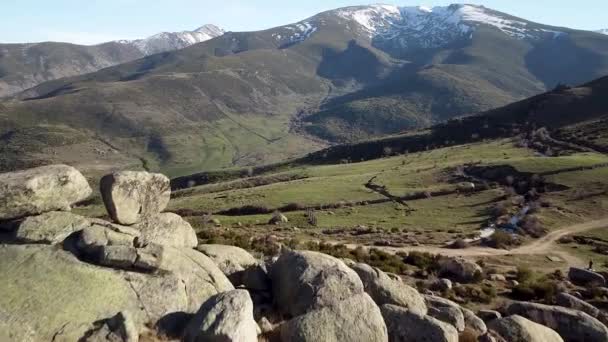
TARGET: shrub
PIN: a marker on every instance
(500, 239)
(424, 261)
(459, 244)
(524, 274)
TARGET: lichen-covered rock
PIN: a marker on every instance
(519, 329)
(226, 317)
(50, 228)
(48, 293)
(356, 319)
(571, 325)
(131, 196)
(406, 326)
(166, 229)
(39, 190)
(385, 290)
(583, 276)
(303, 281)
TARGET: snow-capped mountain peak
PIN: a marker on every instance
(602, 31)
(169, 41)
(433, 27)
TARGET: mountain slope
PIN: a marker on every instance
(23, 66)
(343, 75)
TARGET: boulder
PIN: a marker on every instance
(226, 317)
(569, 301)
(473, 322)
(406, 326)
(131, 196)
(449, 315)
(385, 290)
(119, 328)
(441, 284)
(572, 325)
(355, 319)
(582, 276)
(49, 294)
(519, 329)
(166, 229)
(50, 228)
(461, 269)
(39, 190)
(488, 315)
(450, 312)
(238, 265)
(303, 281)
(278, 218)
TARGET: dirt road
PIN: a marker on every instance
(542, 246)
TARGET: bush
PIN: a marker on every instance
(543, 289)
(500, 239)
(459, 244)
(524, 274)
(425, 261)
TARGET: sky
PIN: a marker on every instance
(96, 21)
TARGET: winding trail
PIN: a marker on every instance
(542, 246)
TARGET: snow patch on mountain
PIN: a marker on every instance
(437, 26)
(169, 41)
(295, 33)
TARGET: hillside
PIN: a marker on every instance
(23, 66)
(343, 75)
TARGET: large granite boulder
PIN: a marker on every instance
(355, 319)
(166, 229)
(569, 301)
(572, 325)
(583, 277)
(386, 290)
(446, 311)
(131, 196)
(519, 329)
(49, 294)
(238, 265)
(39, 190)
(226, 317)
(473, 322)
(460, 269)
(305, 281)
(406, 326)
(49, 228)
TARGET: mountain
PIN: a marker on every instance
(603, 31)
(23, 66)
(247, 98)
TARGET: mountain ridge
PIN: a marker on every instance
(23, 66)
(247, 98)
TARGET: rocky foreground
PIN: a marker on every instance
(144, 277)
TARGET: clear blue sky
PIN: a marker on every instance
(94, 21)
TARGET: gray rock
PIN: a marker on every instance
(120, 328)
(406, 326)
(166, 229)
(238, 265)
(50, 228)
(488, 315)
(473, 322)
(39, 190)
(461, 269)
(306, 281)
(226, 317)
(572, 325)
(441, 284)
(385, 290)
(355, 319)
(131, 196)
(449, 315)
(569, 301)
(583, 277)
(519, 329)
